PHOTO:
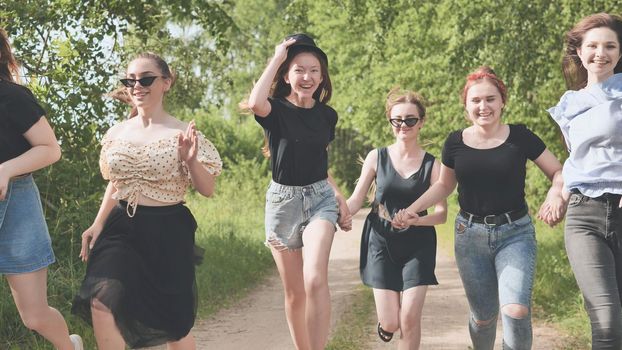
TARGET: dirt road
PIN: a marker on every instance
(258, 321)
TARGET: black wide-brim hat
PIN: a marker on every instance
(303, 43)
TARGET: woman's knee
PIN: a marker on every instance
(410, 324)
(389, 323)
(483, 323)
(516, 311)
(295, 296)
(315, 283)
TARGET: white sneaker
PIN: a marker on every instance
(76, 340)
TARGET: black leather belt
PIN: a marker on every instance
(495, 220)
(611, 197)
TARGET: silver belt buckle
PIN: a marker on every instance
(486, 220)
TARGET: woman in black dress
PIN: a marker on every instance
(399, 262)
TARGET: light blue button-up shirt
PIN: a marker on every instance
(591, 121)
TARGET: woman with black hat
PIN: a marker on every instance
(303, 203)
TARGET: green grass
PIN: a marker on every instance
(353, 328)
(230, 230)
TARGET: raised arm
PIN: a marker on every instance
(258, 99)
(368, 173)
(202, 179)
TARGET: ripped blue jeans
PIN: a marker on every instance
(497, 265)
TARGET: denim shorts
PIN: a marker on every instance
(289, 209)
(25, 244)
(496, 263)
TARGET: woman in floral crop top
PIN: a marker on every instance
(139, 287)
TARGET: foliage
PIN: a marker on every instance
(73, 51)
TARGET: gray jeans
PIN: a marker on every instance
(594, 246)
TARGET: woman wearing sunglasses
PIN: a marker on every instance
(303, 204)
(27, 144)
(495, 245)
(399, 263)
(139, 287)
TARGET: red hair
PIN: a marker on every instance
(484, 73)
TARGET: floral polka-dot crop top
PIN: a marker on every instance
(153, 170)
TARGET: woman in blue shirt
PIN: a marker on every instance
(590, 117)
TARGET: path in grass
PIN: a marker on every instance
(258, 321)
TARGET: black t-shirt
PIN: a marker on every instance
(492, 181)
(298, 138)
(18, 112)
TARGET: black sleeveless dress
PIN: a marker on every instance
(391, 258)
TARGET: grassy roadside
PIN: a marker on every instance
(352, 331)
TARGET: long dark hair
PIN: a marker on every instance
(574, 72)
(9, 69)
(281, 89)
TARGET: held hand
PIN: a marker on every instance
(411, 219)
(345, 218)
(404, 218)
(88, 240)
(280, 51)
(188, 144)
(553, 209)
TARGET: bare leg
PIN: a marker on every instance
(318, 239)
(107, 334)
(289, 264)
(388, 309)
(185, 343)
(410, 317)
(30, 294)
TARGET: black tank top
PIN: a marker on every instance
(395, 192)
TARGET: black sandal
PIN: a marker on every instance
(384, 335)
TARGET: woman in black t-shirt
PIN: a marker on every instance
(303, 203)
(495, 244)
(27, 143)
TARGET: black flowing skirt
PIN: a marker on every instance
(142, 269)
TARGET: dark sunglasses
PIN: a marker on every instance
(144, 81)
(408, 121)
